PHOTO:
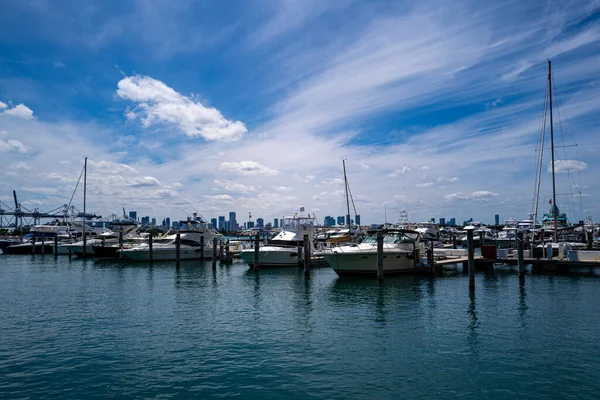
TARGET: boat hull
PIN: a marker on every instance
(361, 263)
(28, 248)
(271, 256)
(159, 254)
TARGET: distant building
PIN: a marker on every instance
(452, 222)
(276, 223)
(433, 220)
(233, 226)
(146, 220)
(358, 220)
(260, 223)
(442, 221)
(213, 222)
(269, 225)
(167, 222)
(176, 225)
(329, 221)
(497, 219)
(133, 215)
(340, 220)
(221, 223)
(153, 221)
(250, 225)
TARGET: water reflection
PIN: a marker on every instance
(473, 337)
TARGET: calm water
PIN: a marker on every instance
(83, 329)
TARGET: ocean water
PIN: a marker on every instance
(75, 329)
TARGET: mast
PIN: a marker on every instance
(554, 206)
(347, 200)
(84, 196)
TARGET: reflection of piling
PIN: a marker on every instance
(55, 245)
(380, 255)
(150, 252)
(227, 255)
(430, 260)
(306, 255)
(471, 259)
(256, 250)
(521, 260)
(43, 243)
(178, 248)
(120, 244)
(221, 250)
(33, 246)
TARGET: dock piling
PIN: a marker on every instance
(120, 244)
(256, 251)
(150, 250)
(590, 239)
(521, 260)
(380, 256)
(43, 243)
(178, 249)
(33, 247)
(214, 253)
(55, 245)
(306, 255)
(471, 259)
(430, 260)
(202, 248)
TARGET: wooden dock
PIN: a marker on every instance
(538, 264)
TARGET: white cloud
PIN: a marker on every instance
(166, 193)
(219, 199)
(110, 167)
(425, 168)
(12, 145)
(424, 184)
(59, 64)
(480, 194)
(445, 179)
(457, 196)
(399, 171)
(320, 197)
(283, 188)
(567, 166)
(250, 168)
(305, 179)
(19, 111)
(234, 186)
(2, 105)
(364, 166)
(158, 103)
(144, 181)
(177, 185)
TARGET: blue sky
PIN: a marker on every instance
(250, 106)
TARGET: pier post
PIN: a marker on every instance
(43, 243)
(221, 250)
(214, 253)
(120, 244)
(56, 245)
(481, 241)
(256, 250)
(178, 248)
(306, 255)
(520, 259)
(454, 240)
(300, 256)
(430, 260)
(33, 246)
(202, 248)
(549, 250)
(84, 242)
(590, 239)
(227, 252)
(380, 256)
(150, 252)
(471, 259)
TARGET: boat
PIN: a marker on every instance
(399, 253)
(282, 249)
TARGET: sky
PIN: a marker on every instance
(251, 106)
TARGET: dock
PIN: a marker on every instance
(538, 264)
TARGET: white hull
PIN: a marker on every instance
(272, 256)
(356, 263)
(166, 254)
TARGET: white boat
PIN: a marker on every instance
(399, 254)
(282, 250)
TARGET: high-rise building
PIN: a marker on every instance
(442, 221)
(329, 221)
(153, 221)
(276, 223)
(176, 225)
(357, 219)
(233, 226)
(221, 223)
(213, 222)
(497, 219)
(433, 220)
(260, 223)
(250, 224)
(340, 220)
(146, 220)
(452, 222)
(168, 222)
(133, 215)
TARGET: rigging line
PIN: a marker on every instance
(541, 158)
(75, 190)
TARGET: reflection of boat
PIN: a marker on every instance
(399, 247)
(282, 250)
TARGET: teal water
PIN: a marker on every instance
(74, 329)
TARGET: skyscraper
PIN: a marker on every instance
(276, 223)
(146, 220)
(153, 221)
(168, 222)
(133, 215)
(221, 223)
(442, 221)
(329, 221)
(213, 222)
(452, 221)
(357, 219)
(233, 226)
(260, 223)
(340, 220)
(497, 219)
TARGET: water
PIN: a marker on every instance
(84, 329)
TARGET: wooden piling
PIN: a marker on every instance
(43, 243)
(214, 253)
(471, 259)
(227, 256)
(33, 246)
(521, 260)
(306, 255)
(590, 239)
(150, 250)
(430, 260)
(202, 248)
(120, 244)
(56, 245)
(380, 255)
(300, 251)
(84, 250)
(481, 240)
(256, 250)
(221, 250)
(178, 248)
(454, 240)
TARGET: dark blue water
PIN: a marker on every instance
(84, 329)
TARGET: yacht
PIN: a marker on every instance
(399, 250)
(282, 250)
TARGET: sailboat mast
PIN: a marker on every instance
(347, 200)
(554, 207)
(84, 196)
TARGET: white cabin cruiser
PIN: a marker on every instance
(399, 254)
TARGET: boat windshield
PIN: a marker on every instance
(296, 222)
(391, 238)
